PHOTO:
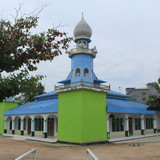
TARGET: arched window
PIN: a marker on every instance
(121, 124)
(86, 72)
(39, 124)
(137, 123)
(78, 72)
(113, 125)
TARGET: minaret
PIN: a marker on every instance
(82, 116)
(81, 56)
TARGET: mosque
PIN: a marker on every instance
(81, 109)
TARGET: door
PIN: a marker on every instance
(29, 126)
(130, 126)
(50, 126)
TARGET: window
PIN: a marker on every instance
(86, 72)
(149, 123)
(19, 123)
(39, 124)
(78, 72)
(117, 125)
(137, 124)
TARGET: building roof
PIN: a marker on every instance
(126, 106)
(36, 107)
(116, 105)
(82, 29)
(47, 95)
(114, 94)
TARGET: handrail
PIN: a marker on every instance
(90, 153)
(81, 83)
(33, 151)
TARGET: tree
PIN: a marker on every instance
(28, 86)
(151, 98)
(18, 47)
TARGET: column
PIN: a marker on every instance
(142, 125)
(26, 125)
(13, 127)
(45, 127)
(32, 127)
(126, 125)
(22, 127)
(55, 127)
(5, 127)
(108, 130)
(154, 124)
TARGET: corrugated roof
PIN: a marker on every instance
(115, 105)
(46, 95)
(126, 106)
(117, 95)
(41, 106)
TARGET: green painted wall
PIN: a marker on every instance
(5, 106)
(82, 116)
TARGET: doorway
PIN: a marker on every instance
(50, 129)
(130, 127)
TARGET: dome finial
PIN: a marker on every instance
(82, 15)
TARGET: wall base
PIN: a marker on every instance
(5, 131)
(108, 135)
(21, 133)
(12, 132)
(84, 144)
(32, 134)
(126, 133)
(44, 135)
(142, 132)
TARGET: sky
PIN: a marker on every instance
(126, 34)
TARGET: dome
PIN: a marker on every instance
(82, 29)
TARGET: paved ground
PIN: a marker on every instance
(149, 149)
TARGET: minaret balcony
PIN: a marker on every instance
(81, 85)
(73, 51)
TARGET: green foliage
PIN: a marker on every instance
(27, 86)
(19, 47)
(133, 99)
(144, 93)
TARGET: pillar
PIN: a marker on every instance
(22, 128)
(45, 126)
(13, 127)
(126, 125)
(142, 125)
(5, 127)
(154, 124)
(55, 127)
(32, 127)
(108, 127)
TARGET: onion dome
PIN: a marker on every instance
(82, 29)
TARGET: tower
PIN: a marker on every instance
(82, 98)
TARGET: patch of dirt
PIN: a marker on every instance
(11, 149)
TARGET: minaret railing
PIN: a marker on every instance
(82, 84)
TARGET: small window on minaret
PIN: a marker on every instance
(86, 72)
(78, 72)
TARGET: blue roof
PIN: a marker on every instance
(114, 104)
(96, 79)
(126, 106)
(67, 80)
(41, 106)
(46, 95)
(117, 95)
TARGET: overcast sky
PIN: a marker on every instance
(125, 32)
